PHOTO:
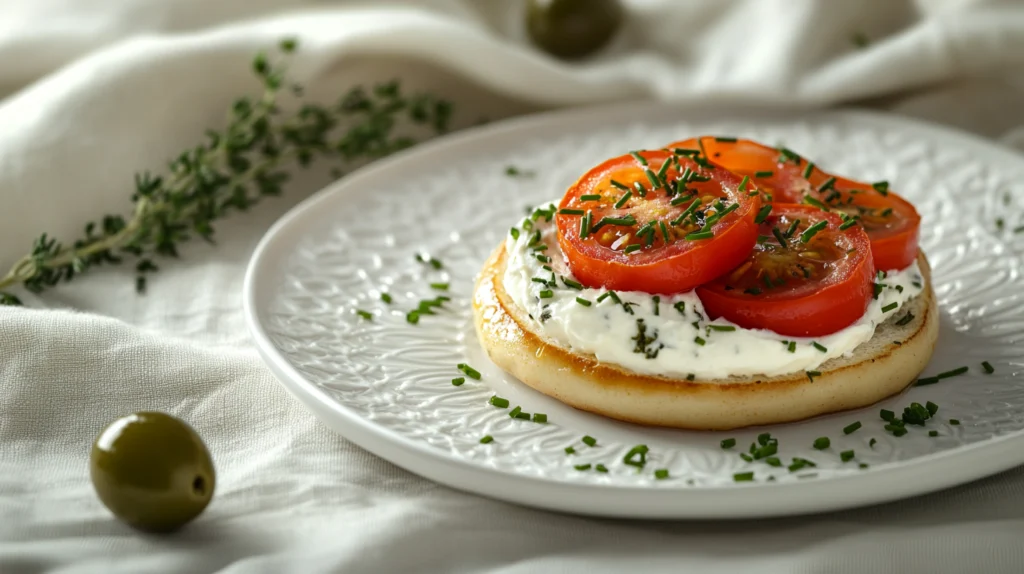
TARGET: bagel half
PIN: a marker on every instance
(883, 366)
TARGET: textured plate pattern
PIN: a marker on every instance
(456, 202)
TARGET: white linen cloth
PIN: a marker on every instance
(93, 90)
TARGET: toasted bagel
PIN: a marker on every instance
(883, 366)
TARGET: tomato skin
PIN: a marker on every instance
(671, 268)
(832, 305)
(893, 247)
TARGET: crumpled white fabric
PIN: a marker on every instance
(94, 90)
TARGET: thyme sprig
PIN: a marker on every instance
(248, 160)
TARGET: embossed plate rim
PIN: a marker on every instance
(919, 475)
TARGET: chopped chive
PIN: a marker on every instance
(812, 230)
(365, 314)
(690, 377)
(746, 457)
(699, 341)
(815, 203)
(778, 236)
(604, 296)
(571, 284)
(585, 225)
(881, 187)
(546, 294)
(685, 151)
(686, 213)
(663, 170)
(819, 347)
(523, 416)
(681, 199)
(584, 302)
(952, 373)
(542, 258)
(487, 439)
(988, 367)
(725, 139)
(699, 235)
(931, 407)
(628, 220)
(457, 381)
(763, 213)
(639, 158)
(632, 248)
(773, 461)
(515, 412)
(637, 456)
(829, 184)
(812, 374)
(499, 402)
(571, 212)
(589, 440)
(887, 415)
(847, 224)
(743, 476)
(890, 307)
(469, 371)
(639, 189)
(590, 197)
(582, 467)
(878, 290)
(412, 317)
(680, 306)
(600, 468)
(622, 200)
(791, 346)
(788, 154)
(540, 418)
(821, 443)
(661, 474)
(619, 185)
(728, 443)
(767, 173)
(385, 297)
(722, 328)
(846, 455)
(514, 232)
(954, 422)
(851, 428)
(933, 433)
(809, 169)
(792, 228)
(652, 178)
(886, 212)
(799, 463)
(871, 443)
(664, 231)
(743, 184)
(570, 450)
(439, 286)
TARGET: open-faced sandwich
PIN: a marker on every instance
(714, 284)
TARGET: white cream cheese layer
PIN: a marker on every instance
(677, 340)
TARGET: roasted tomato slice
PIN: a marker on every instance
(891, 222)
(657, 222)
(811, 274)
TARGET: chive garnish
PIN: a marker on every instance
(851, 428)
(385, 297)
(639, 158)
(664, 231)
(685, 151)
(582, 467)
(540, 418)
(887, 415)
(767, 173)
(821, 443)
(583, 302)
(499, 402)
(699, 341)
(812, 230)
(722, 328)
(572, 284)
(828, 184)
(622, 200)
(881, 187)
(933, 433)
(699, 235)
(773, 461)
(657, 303)
(628, 220)
(412, 317)
(791, 346)
(799, 463)
(725, 139)
(743, 184)
(515, 412)
(661, 474)
(680, 199)
(686, 213)
(639, 189)
(570, 450)
(663, 170)
(819, 347)
(604, 296)
(728, 443)
(653, 178)
(619, 185)
(788, 154)
(571, 212)
(743, 476)
(487, 439)
(886, 212)
(680, 306)
(952, 373)
(585, 225)
(546, 294)
(600, 468)
(365, 314)
(590, 197)
(637, 456)
(808, 169)
(632, 248)
(931, 407)
(542, 258)
(846, 455)
(469, 371)
(763, 213)
(815, 203)
(439, 286)
(812, 374)
(954, 422)
(457, 381)
(871, 443)
(781, 239)
(988, 367)
(589, 440)
(878, 290)
(890, 307)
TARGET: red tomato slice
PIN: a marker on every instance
(891, 222)
(657, 222)
(805, 278)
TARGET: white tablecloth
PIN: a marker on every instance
(93, 91)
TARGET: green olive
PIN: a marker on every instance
(572, 29)
(152, 471)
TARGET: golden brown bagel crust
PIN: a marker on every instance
(881, 367)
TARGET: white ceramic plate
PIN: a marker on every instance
(386, 384)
